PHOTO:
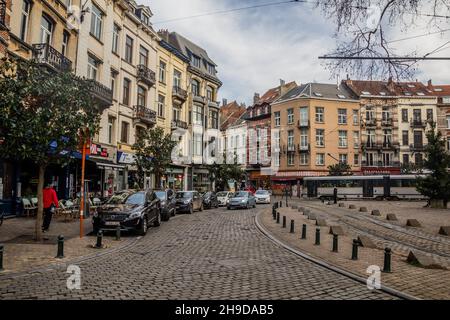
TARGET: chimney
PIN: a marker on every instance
(256, 98)
(282, 82)
(164, 34)
(224, 102)
(430, 84)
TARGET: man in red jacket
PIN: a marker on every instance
(50, 203)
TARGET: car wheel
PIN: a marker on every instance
(228, 208)
(254, 205)
(143, 227)
(157, 222)
(166, 216)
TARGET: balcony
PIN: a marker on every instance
(213, 104)
(417, 147)
(102, 94)
(304, 148)
(381, 164)
(3, 15)
(373, 146)
(179, 95)
(199, 99)
(370, 122)
(146, 75)
(291, 148)
(178, 125)
(145, 115)
(304, 124)
(418, 123)
(387, 123)
(45, 54)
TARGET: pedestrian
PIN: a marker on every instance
(50, 204)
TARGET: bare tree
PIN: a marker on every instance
(366, 25)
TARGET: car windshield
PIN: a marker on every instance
(262, 192)
(161, 195)
(222, 194)
(136, 199)
(241, 194)
(184, 195)
(118, 198)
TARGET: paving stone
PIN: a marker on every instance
(376, 213)
(341, 205)
(391, 217)
(338, 230)
(321, 222)
(363, 209)
(422, 260)
(366, 242)
(352, 206)
(413, 223)
(445, 231)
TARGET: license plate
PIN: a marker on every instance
(112, 223)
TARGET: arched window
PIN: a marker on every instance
(210, 93)
(195, 87)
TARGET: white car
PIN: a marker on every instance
(262, 196)
(224, 197)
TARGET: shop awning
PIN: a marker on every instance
(106, 164)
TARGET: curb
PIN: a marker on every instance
(326, 265)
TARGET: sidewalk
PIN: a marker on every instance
(416, 281)
(22, 253)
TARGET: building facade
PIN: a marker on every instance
(5, 10)
(442, 92)
(313, 126)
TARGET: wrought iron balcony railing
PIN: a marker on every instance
(145, 115)
(304, 148)
(101, 93)
(178, 124)
(370, 122)
(418, 123)
(146, 75)
(179, 94)
(417, 147)
(46, 54)
(304, 124)
(387, 123)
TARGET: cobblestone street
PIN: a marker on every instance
(215, 254)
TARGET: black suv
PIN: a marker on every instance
(129, 210)
(168, 203)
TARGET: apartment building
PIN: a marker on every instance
(5, 10)
(203, 111)
(259, 120)
(314, 126)
(442, 92)
(172, 109)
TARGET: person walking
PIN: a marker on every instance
(50, 204)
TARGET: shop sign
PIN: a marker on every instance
(99, 151)
(126, 158)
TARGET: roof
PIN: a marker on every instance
(318, 91)
(387, 88)
(231, 113)
(440, 90)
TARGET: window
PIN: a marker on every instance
(276, 157)
(195, 61)
(277, 141)
(405, 138)
(387, 137)
(320, 139)
(141, 96)
(211, 69)
(356, 139)
(162, 72)
(291, 159)
(320, 159)
(126, 91)
(124, 132)
(371, 159)
(115, 39)
(210, 93)
(65, 43)
(278, 119)
(448, 122)
(303, 138)
(430, 115)
(198, 114)
(46, 30)
(111, 126)
(198, 141)
(417, 115)
(320, 114)
(96, 22)
(404, 115)
(143, 56)
(343, 158)
(356, 159)
(26, 7)
(145, 19)
(406, 159)
(161, 104)
(418, 138)
(177, 79)
(370, 115)
(195, 88)
(290, 117)
(92, 68)
(290, 140)
(342, 116)
(129, 49)
(387, 159)
(214, 120)
(370, 137)
(355, 117)
(303, 159)
(418, 159)
(304, 117)
(176, 115)
(113, 84)
(343, 139)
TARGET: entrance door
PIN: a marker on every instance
(368, 189)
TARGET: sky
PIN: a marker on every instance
(256, 48)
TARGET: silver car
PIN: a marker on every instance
(262, 196)
(242, 200)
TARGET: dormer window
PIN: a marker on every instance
(145, 19)
(196, 61)
(317, 94)
(341, 96)
(382, 93)
(211, 69)
(366, 93)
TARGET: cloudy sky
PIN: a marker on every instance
(256, 48)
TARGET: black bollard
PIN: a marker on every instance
(118, 231)
(278, 217)
(304, 232)
(317, 237)
(281, 204)
(99, 239)
(292, 226)
(1, 257)
(387, 260)
(274, 214)
(60, 253)
(355, 249)
(335, 195)
(284, 221)
(335, 243)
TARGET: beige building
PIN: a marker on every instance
(314, 126)
(5, 10)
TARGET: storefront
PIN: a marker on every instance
(175, 178)
(292, 181)
(201, 179)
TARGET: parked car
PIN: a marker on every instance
(188, 201)
(168, 203)
(130, 210)
(210, 200)
(242, 200)
(224, 197)
(262, 196)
